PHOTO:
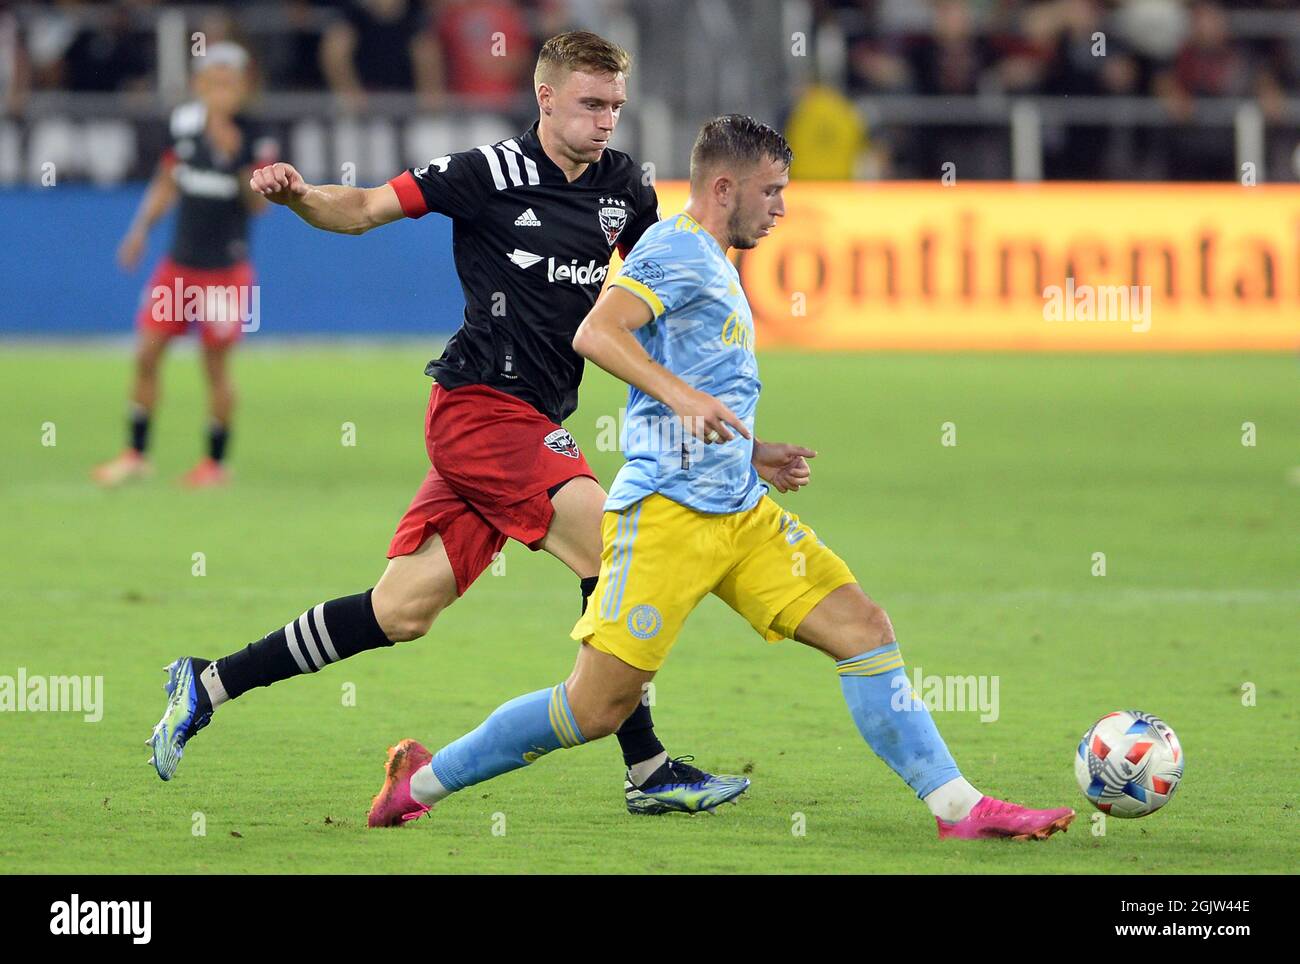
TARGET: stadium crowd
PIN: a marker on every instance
(477, 55)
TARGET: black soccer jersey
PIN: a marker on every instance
(212, 220)
(532, 250)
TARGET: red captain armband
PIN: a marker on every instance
(168, 159)
(409, 195)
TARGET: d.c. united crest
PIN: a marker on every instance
(613, 217)
(562, 442)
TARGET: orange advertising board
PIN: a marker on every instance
(1070, 267)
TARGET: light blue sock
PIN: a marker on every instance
(515, 735)
(893, 721)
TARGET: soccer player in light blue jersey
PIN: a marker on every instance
(689, 514)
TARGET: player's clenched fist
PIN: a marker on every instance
(279, 183)
(784, 467)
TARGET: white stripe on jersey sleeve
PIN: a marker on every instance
(497, 177)
(530, 167)
(512, 167)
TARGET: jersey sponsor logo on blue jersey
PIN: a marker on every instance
(646, 272)
(736, 332)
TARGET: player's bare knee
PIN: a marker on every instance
(862, 625)
(416, 619)
(603, 725)
(872, 626)
(406, 619)
(604, 716)
(404, 630)
(595, 723)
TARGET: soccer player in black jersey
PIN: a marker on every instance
(206, 277)
(535, 220)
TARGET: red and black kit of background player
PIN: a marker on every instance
(206, 278)
(210, 244)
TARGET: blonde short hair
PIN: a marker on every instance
(578, 50)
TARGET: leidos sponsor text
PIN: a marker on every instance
(591, 273)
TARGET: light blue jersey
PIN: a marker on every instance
(702, 332)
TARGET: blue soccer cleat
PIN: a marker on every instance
(188, 711)
(678, 787)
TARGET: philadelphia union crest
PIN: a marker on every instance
(644, 621)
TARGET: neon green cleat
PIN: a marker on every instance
(188, 711)
(678, 787)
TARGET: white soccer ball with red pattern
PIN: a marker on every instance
(1129, 763)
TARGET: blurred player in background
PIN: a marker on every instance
(535, 219)
(205, 279)
(688, 519)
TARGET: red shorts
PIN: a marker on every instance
(177, 295)
(494, 459)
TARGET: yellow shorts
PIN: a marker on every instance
(660, 559)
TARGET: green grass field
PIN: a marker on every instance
(981, 552)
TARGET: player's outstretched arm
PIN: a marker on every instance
(330, 207)
(605, 336)
(158, 199)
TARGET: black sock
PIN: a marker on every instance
(636, 736)
(218, 435)
(329, 632)
(139, 429)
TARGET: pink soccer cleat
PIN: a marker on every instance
(127, 467)
(393, 806)
(997, 818)
(208, 474)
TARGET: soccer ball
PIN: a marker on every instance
(1129, 763)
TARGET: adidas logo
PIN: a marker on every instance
(525, 259)
(528, 220)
